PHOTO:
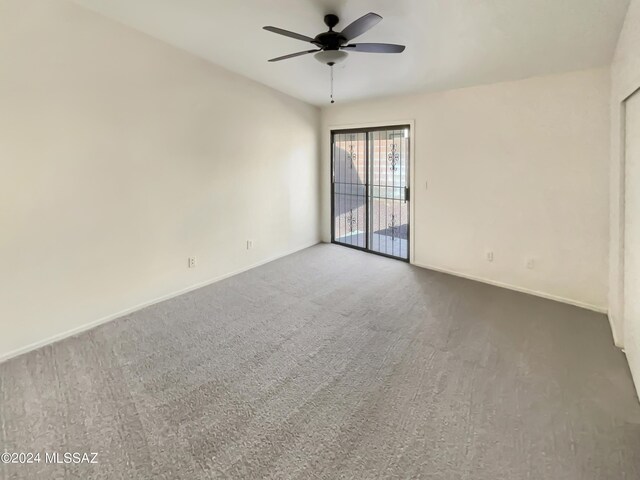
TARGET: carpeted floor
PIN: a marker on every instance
(327, 364)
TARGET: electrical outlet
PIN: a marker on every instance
(192, 262)
(489, 256)
(531, 263)
(249, 244)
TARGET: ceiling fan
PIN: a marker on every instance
(332, 47)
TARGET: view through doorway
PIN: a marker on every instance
(370, 189)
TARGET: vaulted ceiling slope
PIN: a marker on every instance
(450, 43)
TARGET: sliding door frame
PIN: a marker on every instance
(370, 127)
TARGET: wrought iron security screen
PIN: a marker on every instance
(370, 190)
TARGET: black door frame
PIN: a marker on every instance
(409, 197)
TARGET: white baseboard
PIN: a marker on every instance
(616, 338)
(508, 286)
(88, 326)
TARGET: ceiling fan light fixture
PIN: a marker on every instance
(330, 57)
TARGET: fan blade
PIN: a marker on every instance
(287, 33)
(374, 48)
(291, 55)
(361, 25)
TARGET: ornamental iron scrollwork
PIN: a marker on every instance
(393, 227)
(351, 156)
(393, 158)
(351, 220)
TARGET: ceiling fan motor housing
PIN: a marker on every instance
(330, 40)
(330, 43)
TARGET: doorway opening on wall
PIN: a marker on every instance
(630, 212)
(370, 189)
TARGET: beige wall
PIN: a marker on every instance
(625, 73)
(517, 168)
(120, 157)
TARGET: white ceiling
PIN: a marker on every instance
(450, 43)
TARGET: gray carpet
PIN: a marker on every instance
(331, 363)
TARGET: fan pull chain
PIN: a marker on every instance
(331, 66)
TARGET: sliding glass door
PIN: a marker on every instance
(370, 190)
